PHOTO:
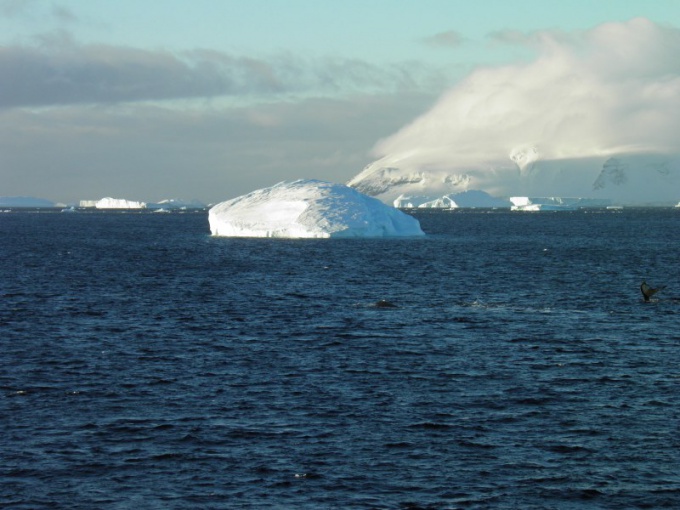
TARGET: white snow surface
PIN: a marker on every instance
(464, 199)
(593, 115)
(631, 179)
(309, 209)
(176, 203)
(555, 203)
(119, 203)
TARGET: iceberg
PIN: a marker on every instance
(423, 201)
(176, 203)
(25, 202)
(555, 203)
(464, 199)
(309, 209)
(119, 203)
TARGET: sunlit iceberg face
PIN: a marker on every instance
(556, 126)
(309, 209)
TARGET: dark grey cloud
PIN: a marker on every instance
(27, 9)
(64, 14)
(106, 74)
(13, 8)
(151, 152)
(60, 72)
(537, 39)
(512, 37)
(449, 39)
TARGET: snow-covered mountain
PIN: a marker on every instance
(632, 179)
(592, 116)
(309, 209)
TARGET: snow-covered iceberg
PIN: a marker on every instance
(555, 203)
(309, 209)
(464, 199)
(119, 203)
(25, 202)
(176, 203)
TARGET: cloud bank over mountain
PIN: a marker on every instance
(549, 126)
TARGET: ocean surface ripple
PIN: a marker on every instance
(148, 365)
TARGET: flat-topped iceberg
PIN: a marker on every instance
(464, 199)
(309, 209)
(176, 203)
(555, 203)
(119, 203)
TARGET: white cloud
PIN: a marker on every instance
(615, 87)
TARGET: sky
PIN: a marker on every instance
(209, 100)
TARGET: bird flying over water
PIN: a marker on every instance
(647, 291)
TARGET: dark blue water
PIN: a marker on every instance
(146, 365)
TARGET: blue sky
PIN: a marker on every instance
(205, 99)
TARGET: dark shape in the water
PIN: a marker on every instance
(648, 292)
(383, 303)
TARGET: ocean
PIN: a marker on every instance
(147, 365)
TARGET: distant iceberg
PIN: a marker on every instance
(119, 203)
(309, 209)
(25, 202)
(463, 199)
(555, 203)
(176, 203)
